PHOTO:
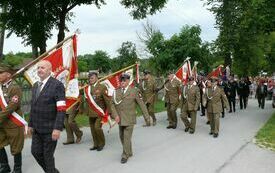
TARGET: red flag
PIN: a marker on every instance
(216, 73)
(184, 72)
(64, 68)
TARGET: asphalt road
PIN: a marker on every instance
(160, 150)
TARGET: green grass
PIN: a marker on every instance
(82, 120)
(266, 136)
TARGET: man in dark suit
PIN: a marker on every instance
(261, 93)
(47, 114)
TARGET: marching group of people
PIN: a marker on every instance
(48, 113)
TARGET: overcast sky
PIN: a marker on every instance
(106, 28)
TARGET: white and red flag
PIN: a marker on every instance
(112, 83)
(216, 72)
(184, 72)
(64, 68)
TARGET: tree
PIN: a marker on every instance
(3, 9)
(127, 55)
(33, 20)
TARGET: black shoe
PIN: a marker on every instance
(208, 122)
(202, 115)
(174, 127)
(93, 148)
(223, 116)
(169, 127)
(191, 132)
(68, 143)
(186, 129)
(99, 148)
(215, 135)
(123, 160)
(230, 111)
(211, 133)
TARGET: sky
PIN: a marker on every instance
(111, 25)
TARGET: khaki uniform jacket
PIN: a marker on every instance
(99, 93)
(190, 97)
(12, 94)
(124, 106)
(214, 100)
(172, 90)
(147, 89)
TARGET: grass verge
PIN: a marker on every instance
(265, 137)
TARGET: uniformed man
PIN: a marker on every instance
(124, 103)
(172, 99)
(214, 96)
(190, 103)
(11, 134)
(99, 104)
(148, 90)
(71, 126)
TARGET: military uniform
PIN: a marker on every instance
(148, 88)
(124, 106)
(10, 133)
(172, 90)
(215, 97)
(71, 125)
(99, 93)
(190, 103)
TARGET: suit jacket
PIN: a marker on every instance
(259, 92)
(124, 106)
(190, 98)
(215, 100)
(44, 115)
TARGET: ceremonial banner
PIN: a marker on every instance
(64, 68)
(216, 72)
(184, 72)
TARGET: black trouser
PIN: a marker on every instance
(243, 102)
(202, 109)
(232, 103)
(4, 165)
(42, 149)
(261, 101)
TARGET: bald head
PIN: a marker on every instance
(44, 69)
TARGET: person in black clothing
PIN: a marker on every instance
(261, 93)
(231, 94)
(223, 85)
(248, 83)
(243, 92)
(202, 87)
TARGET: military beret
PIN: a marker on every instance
(6, 68)
(191, 78)
(145, 72)
(93, 72)
(124, 76)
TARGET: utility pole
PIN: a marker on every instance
(3, 9)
